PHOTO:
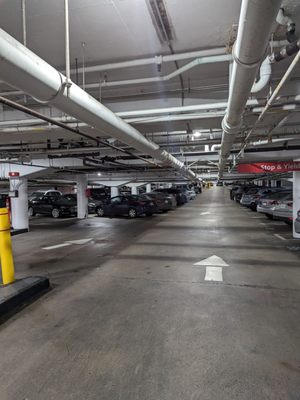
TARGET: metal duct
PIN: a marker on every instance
(255, 24)
(21, 68)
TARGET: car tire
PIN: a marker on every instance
(31, 212)
(55, 213)
(132, 213)
(269, 216)
(100, 212)
(149, 214)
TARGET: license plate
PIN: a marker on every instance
(281, 205)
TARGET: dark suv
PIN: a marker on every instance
(54, 206)
(129, 205)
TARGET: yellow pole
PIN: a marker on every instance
(6, 257)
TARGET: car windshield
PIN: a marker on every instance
(36, 195)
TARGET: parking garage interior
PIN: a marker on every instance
(150, 199)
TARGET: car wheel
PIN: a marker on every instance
(31, 212)
(100, 212)
(149, 214)
(270, 216)
(55, 213)
(132, 213)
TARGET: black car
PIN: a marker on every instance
(163, 201)
(54, 206)
(129, 205)
(92, 203)
(179, 195)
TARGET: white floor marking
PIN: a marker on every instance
(57, 246)
(214, 274)
(205, 213)
(68, 243)
(214, 261)
(256, 217)
(279, 236)
(80, 241)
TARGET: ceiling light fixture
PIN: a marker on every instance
(99, 174)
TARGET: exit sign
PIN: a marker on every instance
(13, 174)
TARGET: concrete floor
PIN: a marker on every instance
(130, 316)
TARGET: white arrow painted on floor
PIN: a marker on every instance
(214, 268)
(214, 261)
(80, 241)
(68, 243)
(205, 213)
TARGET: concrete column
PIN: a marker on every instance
(273, 183)
(82, 200)
(114, 191)
(19, 205)
(148, 188)
(296, 203)
(134, 190)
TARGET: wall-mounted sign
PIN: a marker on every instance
(263, 167)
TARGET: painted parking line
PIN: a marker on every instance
(214, 274)
(57, 246)
(205, 213)
(279, 236)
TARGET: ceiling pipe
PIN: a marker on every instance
(179, 71)
(158, 60)
(264, 76)
(21, 68)
(255, 24)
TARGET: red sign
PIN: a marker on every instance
(14, 174)
(263, 167)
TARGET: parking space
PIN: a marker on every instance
(132, 314)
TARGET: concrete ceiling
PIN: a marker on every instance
(118, 30)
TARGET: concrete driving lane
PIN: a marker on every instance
(131, 317)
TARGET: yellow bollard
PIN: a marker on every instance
(6, 257)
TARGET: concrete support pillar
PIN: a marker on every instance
(273, 183)
(19, 205)
(134, 190)
(296, 204)
(82, 200)
(148, 188)
(114, 191)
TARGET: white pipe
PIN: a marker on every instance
(153, 60)
(23, 69)
(284, 20)
(255, 24)
(23, 6)
(272, 99)
(265, 75)
(67, 40)
(192, 64)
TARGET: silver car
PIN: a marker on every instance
(284, 209)
(266, 204)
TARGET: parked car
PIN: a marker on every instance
(240, 191)
(297, 223)
(54, 206)
(163, 201)
(266, 204)
(252, 196)
(191, 193)
(92, 203)
(129, 205)
(179, 195)
(284, 209)
(44, 193)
